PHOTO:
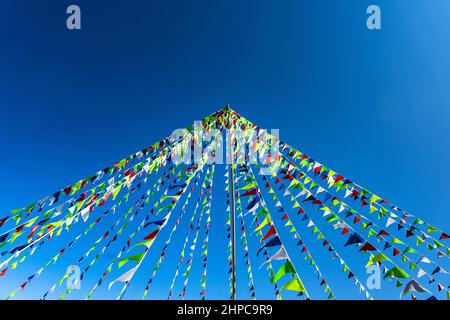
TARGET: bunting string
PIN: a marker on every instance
(143, 224)
(166, 145)
(244, 244)
(128, 275)
(149, 239)
(55, 258)
(326, 242)
(304, 248)
(391, 218)
(228, 230)
(53, 228)
(172, 232)
(358, 217)
(367, 198)
(296, 284)
(205, 245)
(298, 238)
(193, 246)
(82, 200)
(243, 173)
(143, 199)
(125, 208)
(103, 250)
(354, 238)
(185, 243)
(396, 268)
(139, 204)
(340, 182)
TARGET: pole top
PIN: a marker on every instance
(227, 107)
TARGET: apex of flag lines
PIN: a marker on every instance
(227, 109)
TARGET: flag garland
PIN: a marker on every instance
(158, 149)
(185, 243)
(150, 238)
(144, 223)
(390, 217)
(53, 228)
(358, 218)
(296, 283)
(370, 199)
(172, 232)
(339, 182)
(327, 211)
(244, 244)
(228, 231)
(298, 238)
(139, 205)
(193, 246)
(56, 257)
(326, 243)
(305, 185)
(259, 233)
(304, 248)
(205, 245)
(354, 238)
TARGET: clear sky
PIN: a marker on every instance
(373, 105)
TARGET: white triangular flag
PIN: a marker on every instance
(389, 222)
(421, 273)
(125, 277)
(279, 255)
(424, 260)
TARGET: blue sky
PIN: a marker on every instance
(372, 105)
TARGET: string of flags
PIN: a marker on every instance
(296, 236)
(244, 243)
(355, 238)
(143, 224)
(301, 222)
(168, 241)
(185, 244)
(295, 284)
(265, 244)
(193, 246)
(204, 255)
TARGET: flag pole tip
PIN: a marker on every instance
(227, 107)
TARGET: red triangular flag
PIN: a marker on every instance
(270, 232)
(444, 236)
(368, 247)
(3, 272)
(152, 235)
